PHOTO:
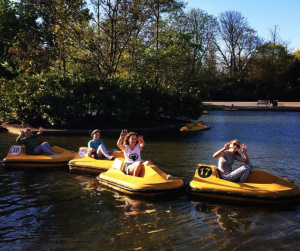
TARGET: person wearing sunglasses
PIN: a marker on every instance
(227, 155)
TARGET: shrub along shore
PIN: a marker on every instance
(210, 105)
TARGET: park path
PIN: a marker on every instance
(250, 104)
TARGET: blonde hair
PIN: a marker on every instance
(235, 140)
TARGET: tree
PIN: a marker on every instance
(48, 32)
(157, 8)
(271, 71)
(237, 44)
(115, 27)
(8, 29)
(200, 29)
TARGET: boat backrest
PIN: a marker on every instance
(83, 151)
(17, 150)
(119, 164)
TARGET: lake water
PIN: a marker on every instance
(58, 210)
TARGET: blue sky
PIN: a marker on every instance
(262, 15)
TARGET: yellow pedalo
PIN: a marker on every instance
(153, 181)
(84, 163)
(230, 109)
(195, 126)
(260, 187)
(17, 158)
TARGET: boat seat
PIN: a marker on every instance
(261, 177)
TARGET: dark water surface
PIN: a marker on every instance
(58, 210)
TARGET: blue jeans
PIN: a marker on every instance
(127, 165)
(44, 148)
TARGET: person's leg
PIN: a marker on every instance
(113, 150)
(38, 150)
(234, 175)
(46, 144)
(43, 148)
(238, 175)
(102, 153)
(98, 154)
(244, 175)
(127, 166)
(135, 168)
(147, 163)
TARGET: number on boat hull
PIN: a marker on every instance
(204, 171)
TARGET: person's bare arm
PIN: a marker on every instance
(121, 138)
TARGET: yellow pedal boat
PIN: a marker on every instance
(83, 163)
(230, 109)
(195, 126)
(153, 181)
(17, 158)
(260, 187)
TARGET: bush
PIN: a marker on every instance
(84, 103)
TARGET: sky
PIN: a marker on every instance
(262, 16)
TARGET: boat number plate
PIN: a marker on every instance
(204, 171)
(15, 150)
(83, 152)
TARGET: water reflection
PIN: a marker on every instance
(134, 207)
(62, 211)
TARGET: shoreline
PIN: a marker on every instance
(208, 105)
(252, 106)
(15, 129)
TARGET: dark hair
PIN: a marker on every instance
(126, 138)
(95, 131)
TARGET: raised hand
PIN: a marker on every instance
(243, 148)
(124, 133)
(140, 139)
(226, 146)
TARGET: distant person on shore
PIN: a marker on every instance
(227, 155)
(131, 144)
(271, 103)
(31, 147)
(97, 148)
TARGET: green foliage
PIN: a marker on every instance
(130, 63)
(8, 30)
(70, 103)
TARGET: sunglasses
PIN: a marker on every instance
(237, 145)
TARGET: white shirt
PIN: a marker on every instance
(132, 156)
